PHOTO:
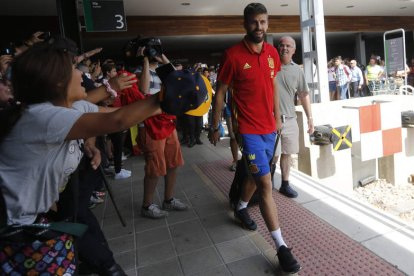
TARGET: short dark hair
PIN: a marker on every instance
(107, 67)
(42, 73)
(253, 9)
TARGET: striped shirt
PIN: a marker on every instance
(155, 81)
(342, 74)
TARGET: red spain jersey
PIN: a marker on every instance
(251, 76)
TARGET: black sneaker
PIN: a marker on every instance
(288, 191)
(115, 270)
(245, 219)
(287, 261)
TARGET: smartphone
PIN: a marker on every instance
(9, 50)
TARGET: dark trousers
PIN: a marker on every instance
(101, 145)
(353, 89)
(182, 125)
(195, 124)
(92, 247)
(118, 139)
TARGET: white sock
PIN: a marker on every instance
(241, 205)
(277, 237)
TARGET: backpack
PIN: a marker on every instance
(347, 72)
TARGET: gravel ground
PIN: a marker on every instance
(397, 200)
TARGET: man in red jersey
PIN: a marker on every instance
(250, 68)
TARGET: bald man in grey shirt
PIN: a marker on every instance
(291, 82)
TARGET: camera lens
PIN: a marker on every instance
(152, 52)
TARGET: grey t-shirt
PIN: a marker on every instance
(290, 80)
(36, 161)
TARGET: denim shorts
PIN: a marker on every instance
(332, 86)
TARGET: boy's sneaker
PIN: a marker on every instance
(244, 217)
(122, 175)
(174, 204)
(287, 262)
(153, 211)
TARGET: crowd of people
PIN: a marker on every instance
(59, 111)
(348, 78)
(66, 117)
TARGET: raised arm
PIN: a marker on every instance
(95, 124)
(117, 83)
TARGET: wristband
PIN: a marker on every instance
(109, 89)
(214, 129)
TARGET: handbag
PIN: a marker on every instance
(55, 256)
(38, 249)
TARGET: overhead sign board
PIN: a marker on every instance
(104, 15)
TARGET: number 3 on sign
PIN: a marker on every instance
(120, 20)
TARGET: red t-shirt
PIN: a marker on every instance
(251, 76)
(132, 94)
(158, 126)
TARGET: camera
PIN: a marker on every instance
(152, 46)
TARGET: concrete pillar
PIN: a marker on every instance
(360, 53)
(313, 32)
(69, 25)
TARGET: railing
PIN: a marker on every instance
(385, 86)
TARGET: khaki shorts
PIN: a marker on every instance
(162, 154)
(289, 139)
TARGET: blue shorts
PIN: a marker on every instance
(259, 152)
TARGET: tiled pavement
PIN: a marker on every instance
(205, 240)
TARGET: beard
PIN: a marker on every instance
(254, 38)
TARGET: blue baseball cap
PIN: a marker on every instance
(185, 91)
